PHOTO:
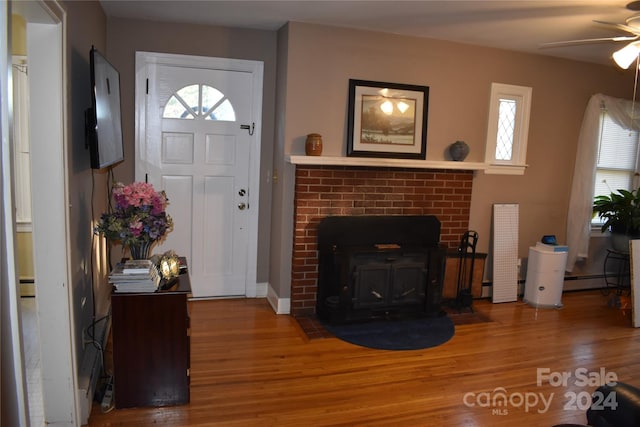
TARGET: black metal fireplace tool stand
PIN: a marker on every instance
(466, 253)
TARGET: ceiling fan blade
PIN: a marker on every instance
(587, 41)
(623, 27)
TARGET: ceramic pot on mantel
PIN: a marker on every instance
(313, 144)
(458, 151)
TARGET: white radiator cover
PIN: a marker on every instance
(505, 252)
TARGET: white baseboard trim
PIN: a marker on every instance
(262, 289)
(279, 305)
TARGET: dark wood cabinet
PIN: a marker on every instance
(151, 346)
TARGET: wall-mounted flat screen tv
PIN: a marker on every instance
(104, 118)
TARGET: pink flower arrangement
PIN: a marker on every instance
(139, 194)
(138, 216)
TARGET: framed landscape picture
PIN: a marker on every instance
(387, 120)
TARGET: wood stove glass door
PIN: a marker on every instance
(371, 285)
(408, 283)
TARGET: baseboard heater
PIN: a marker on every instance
(581, 282)
(27, 287)
(583, 277)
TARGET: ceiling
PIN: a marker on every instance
(520, 25)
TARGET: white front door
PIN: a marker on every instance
(198, 141)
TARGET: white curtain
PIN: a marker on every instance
(581, 199)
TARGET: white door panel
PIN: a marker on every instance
(204, 165)
(181, 210)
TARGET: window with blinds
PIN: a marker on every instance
(617, 159)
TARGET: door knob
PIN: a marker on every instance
(242, 206)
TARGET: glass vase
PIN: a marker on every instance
(140, 250)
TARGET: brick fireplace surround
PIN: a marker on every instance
(322, 191)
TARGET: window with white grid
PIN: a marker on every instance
(199, 101)
(508, 129)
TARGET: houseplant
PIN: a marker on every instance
(138, 219)
(620, 212)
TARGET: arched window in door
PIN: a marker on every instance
(199, 102)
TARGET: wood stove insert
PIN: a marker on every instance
(379, 267)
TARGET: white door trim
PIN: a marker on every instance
(13, 379)
(46, 46)
(256, 68)
(50, 199)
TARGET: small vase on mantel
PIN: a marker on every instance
(140, 250)
(458, 151)
(313, 144)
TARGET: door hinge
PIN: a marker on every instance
(147, 89)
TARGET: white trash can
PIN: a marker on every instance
(545, 275)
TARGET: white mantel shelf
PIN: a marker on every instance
(383, 162)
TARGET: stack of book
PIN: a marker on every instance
(140, 275)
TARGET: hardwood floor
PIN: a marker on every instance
(251, 367)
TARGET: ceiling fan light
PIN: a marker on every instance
(625, 56)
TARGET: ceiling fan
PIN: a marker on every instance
(625, 56)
